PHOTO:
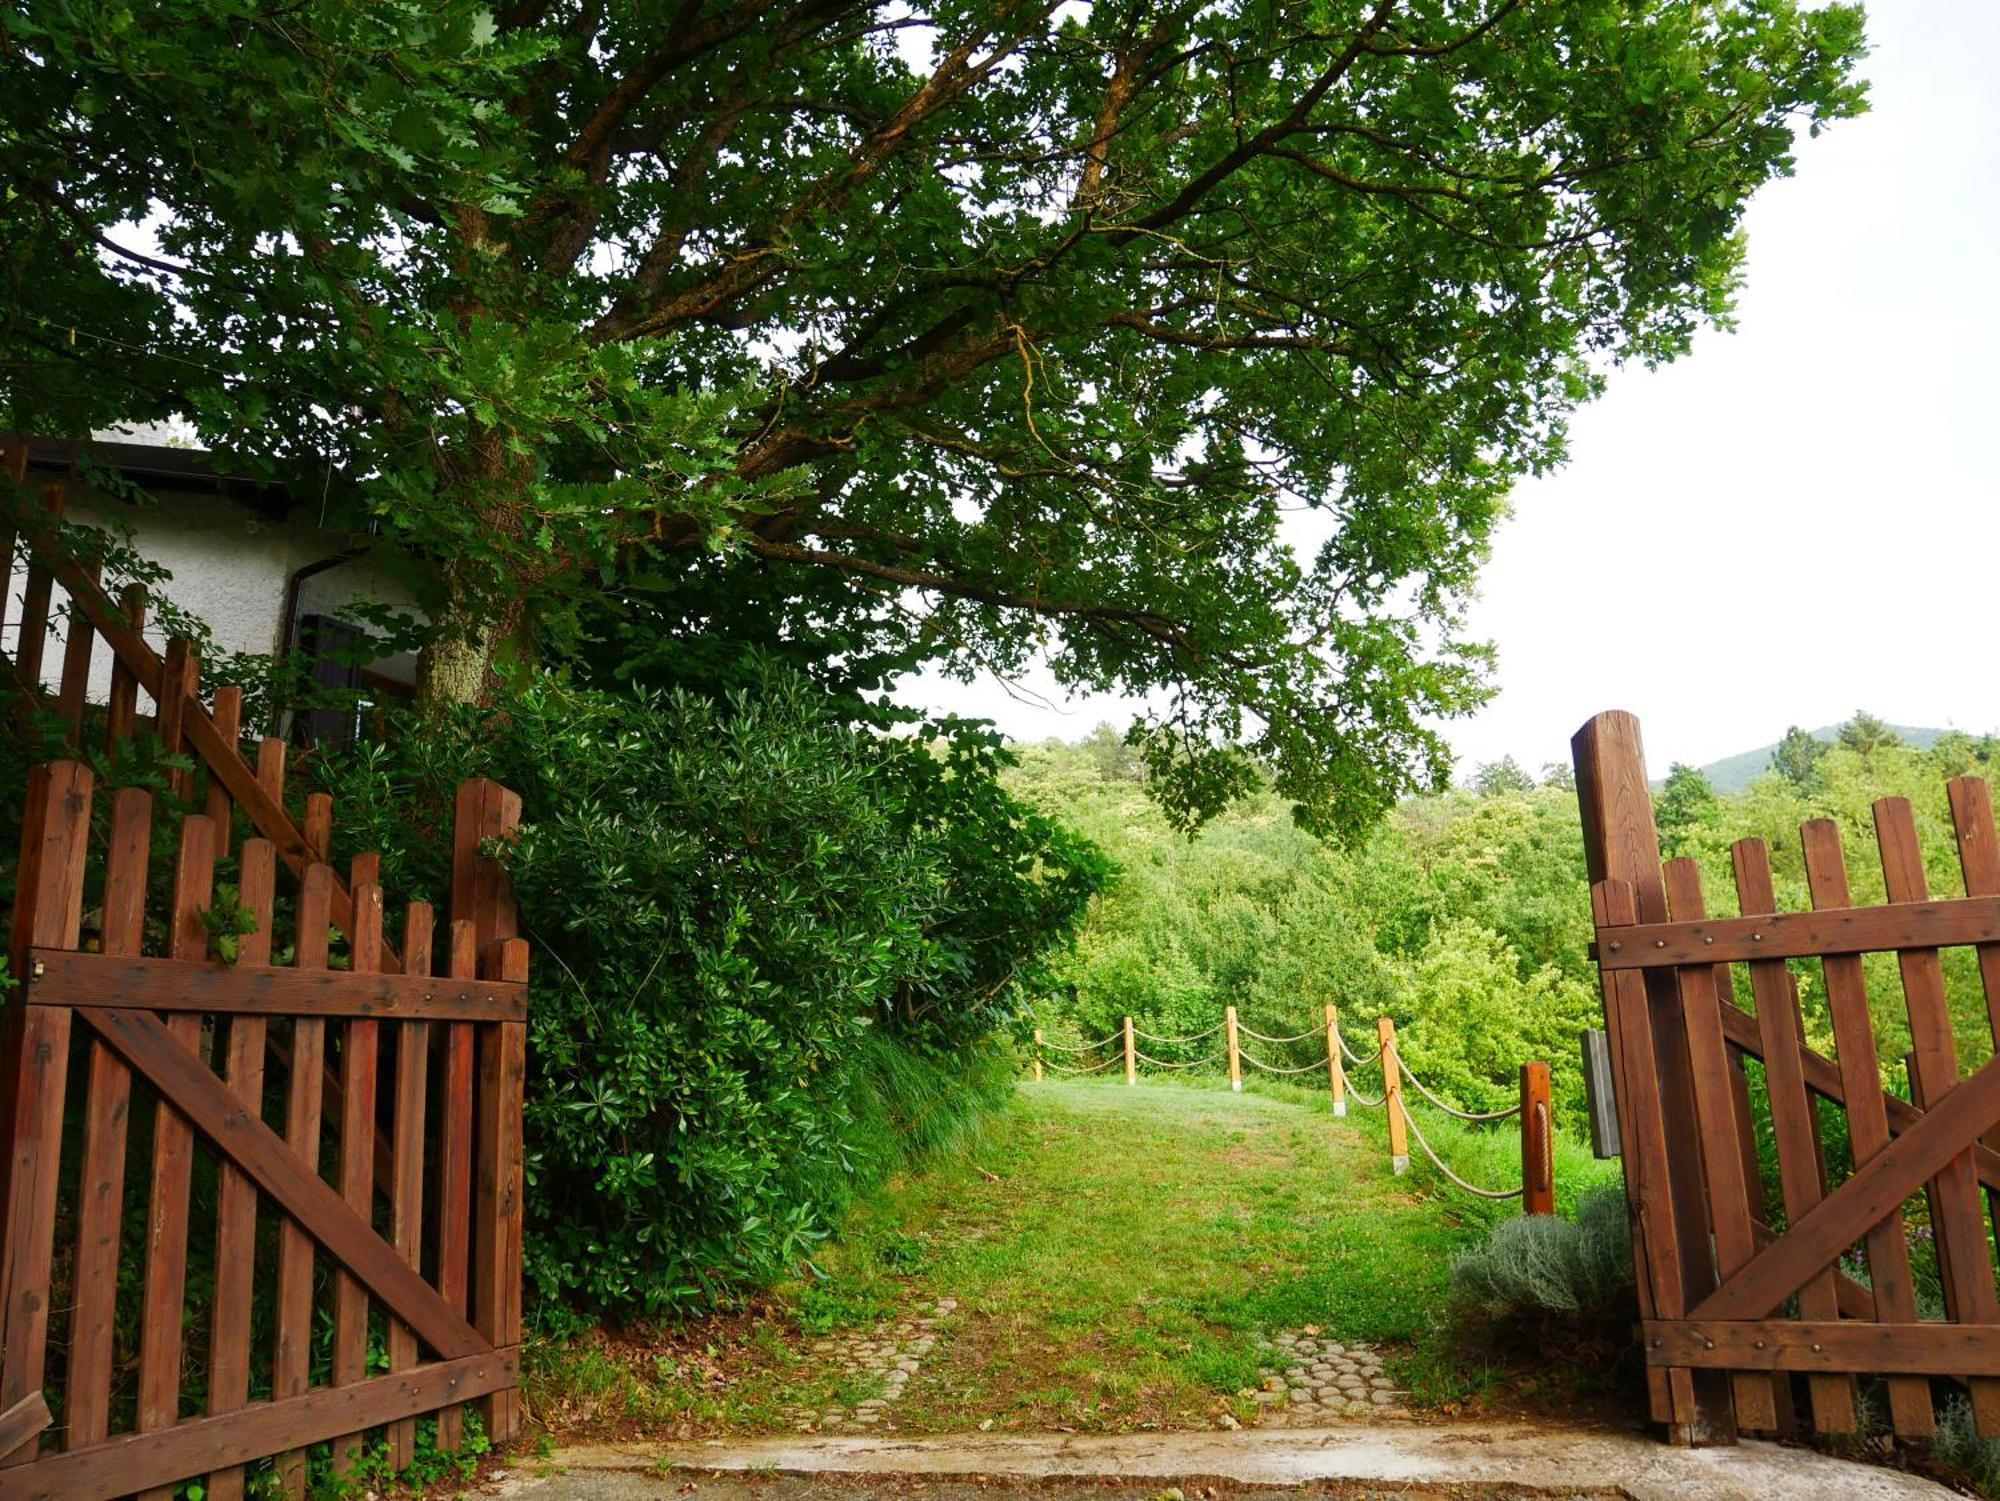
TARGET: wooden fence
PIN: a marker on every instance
(307, 1156)
(1762, 1302)
(1339, 1060)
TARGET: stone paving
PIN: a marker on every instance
(1308, 1378)
(890, 1353)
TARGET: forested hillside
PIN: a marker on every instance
(1463, 915)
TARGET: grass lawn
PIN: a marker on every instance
(1113, 1254)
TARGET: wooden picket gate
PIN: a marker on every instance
(355, 1116)
(1734, 1307)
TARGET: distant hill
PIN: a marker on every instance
(1733, 773)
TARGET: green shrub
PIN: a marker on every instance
(769, 952)
(1957, 1444)
(1541, 1264)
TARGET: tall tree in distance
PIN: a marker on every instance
(1865, 734)
(1493, 778)
(1796, 758)
(964, 334)
(1687, 802)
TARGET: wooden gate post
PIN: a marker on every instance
(1131, 1055)
(34, 1073)
(1538, 1167)
(1336, 1076)
(1392, 1096)
(1038, 1055)
(1670, 1239)
(1235, 1052)
(480, 893)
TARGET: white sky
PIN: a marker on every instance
(1795, 520)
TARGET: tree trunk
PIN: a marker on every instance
(453, 666)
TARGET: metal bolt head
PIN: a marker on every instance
(38, 970)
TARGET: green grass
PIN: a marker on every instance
(1113, 1252)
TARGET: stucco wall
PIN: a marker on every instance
(230, 566)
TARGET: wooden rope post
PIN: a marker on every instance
(1336, 1076)
(1392, 1096)
(1235, 1053)
(1038, 1055)
(1538, 1163)
(1131, 1055)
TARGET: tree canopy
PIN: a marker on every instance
(953, 334)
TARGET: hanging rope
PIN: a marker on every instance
(1463, 1115)
(1315, 1065)
(1355, 1058)
(1319, 1031)
(1088, 1069)
(1374, 1103)
(1191, 1037)
(1162, 1063)
(1438, 1163)
(1081, 1047)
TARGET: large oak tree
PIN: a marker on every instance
(952, 333)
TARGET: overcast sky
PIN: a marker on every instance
(1798, 519)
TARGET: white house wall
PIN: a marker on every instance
(229, 566)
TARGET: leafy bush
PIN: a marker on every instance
(1470, 1019)
(1534, 1264)
(768, 950)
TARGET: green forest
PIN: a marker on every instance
(1465, 915)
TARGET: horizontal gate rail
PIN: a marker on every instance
(60, 978)
(115, 1467)
(1952, 923)
(1824, 1346)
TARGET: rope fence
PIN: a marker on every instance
(1081, 1047)
(1339, 1058)
(1191, 1037)
(1452, 1110)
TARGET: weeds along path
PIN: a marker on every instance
(1107, 1258)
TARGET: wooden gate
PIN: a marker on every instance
(254, 1204)
(1741, 1301)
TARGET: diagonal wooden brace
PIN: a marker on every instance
(180, 1076)
(1864, 1200)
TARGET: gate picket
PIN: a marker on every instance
(1799, 1173)
(406, 1202)
(1979, 859)
(455, 1164)
(236, 1212)
(1959, 1225)
(161, 1320)
(34, 1053)
(101, 1193)
(358, 1061)
(1867, 1116)
(291, 1364)
(1733, 1197)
